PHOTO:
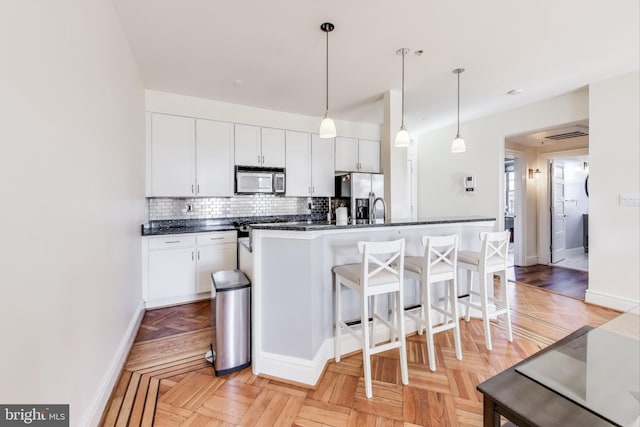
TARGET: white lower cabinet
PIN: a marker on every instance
(177, 268)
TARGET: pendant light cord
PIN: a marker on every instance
(402, 124)
(458, 134)
(327, 85)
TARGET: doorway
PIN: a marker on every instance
(569, 212)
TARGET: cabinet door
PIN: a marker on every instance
(214, 158)
(298, 155)
(172, 273)
(172, 156)
(369, 155)
(273, 151)
(346, 154)
(214, 258)
(322, 172)
(247, 145)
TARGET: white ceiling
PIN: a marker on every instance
(271, 54)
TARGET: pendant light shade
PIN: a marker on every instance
(458, 145)
(327, 126)
(402, 137)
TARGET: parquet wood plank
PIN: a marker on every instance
(140, 400)
(127, 401)
(290, 411)
(150, 403)
(323, 414)
(113, 409)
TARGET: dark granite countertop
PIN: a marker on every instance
(325, 225)
(184, 226)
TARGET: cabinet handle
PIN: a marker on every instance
(313, 190)
(191, 255)
(259, 159)
(172, 241)
(216, 238)
(198, 187)
(198, 255)
(191, 188)
(263, 160)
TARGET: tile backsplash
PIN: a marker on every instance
(230, 207)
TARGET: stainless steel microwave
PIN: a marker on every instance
(251, 181)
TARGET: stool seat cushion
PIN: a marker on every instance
(351, 272)
(473, 258)
(415, 264)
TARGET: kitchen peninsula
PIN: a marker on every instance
(292, 285)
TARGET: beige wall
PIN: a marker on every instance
(614, 169)
(72, 186)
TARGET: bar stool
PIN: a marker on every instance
(380, 272)
(492, 259)
(438, 265)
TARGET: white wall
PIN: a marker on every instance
(163, 102)
(614, 169)
(72, 191)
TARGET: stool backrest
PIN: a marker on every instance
(382, 257)
(495, 250)
(440, 254)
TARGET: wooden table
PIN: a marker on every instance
(527, 403)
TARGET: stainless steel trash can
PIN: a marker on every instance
(230, 321)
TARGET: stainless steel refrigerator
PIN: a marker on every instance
(363, 194)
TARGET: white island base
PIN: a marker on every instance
(293, 292)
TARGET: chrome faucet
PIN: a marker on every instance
(372, 216)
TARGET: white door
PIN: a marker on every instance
(172, 156)
(322, 172)
(273, 154)
(369, 156)
(346, 154)
(298, 155)
(247, 145)
(558, 242)
(214, 158)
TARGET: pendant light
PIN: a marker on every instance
(327, 126)
(458, 145)
(402, 137)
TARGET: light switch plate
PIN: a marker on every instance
(630, 199)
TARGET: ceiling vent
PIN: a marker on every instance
(573, 132)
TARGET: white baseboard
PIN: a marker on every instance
(295, 369)
(610, 301)
(97, 407)
(183, 299)
(531, 260)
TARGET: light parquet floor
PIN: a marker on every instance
(167, 382)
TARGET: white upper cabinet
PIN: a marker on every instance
(309, 165)
(273, 151)
(214, 158)
(369, 155)
(172, 149)
(247, 147)
(357, 155)
(298, 154)
(346, 154)
(322, 169)
(255, 146)
(189, 157)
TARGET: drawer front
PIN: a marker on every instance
(172, 241)
(216, 237)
